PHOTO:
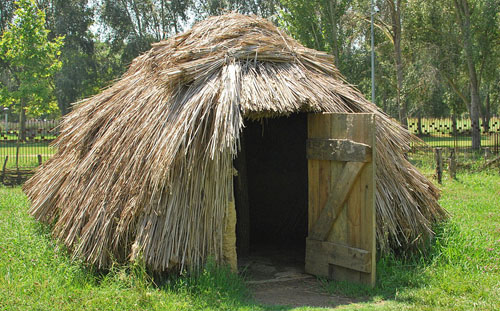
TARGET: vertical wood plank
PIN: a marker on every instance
(319, 175)
(362, 204)
(324, 165)
(313, 175)
(338, 131)
(313, 193)
(355, 226)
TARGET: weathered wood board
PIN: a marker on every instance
(341, 164)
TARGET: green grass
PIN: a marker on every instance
(37, 274)
(461, 270)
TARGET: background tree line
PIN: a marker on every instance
(433, 58)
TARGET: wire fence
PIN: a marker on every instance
(28, 148)
(455, 133)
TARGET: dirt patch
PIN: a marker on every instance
(279, 279)
(296, 293)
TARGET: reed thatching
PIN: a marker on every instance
(144, 169)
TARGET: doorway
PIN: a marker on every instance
(272, 216)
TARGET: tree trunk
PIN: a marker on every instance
(474, 116)
(63, 107)
(396, 33)
(454, 125)
(486, 114)
(454, 130)
(335, 43)
(463, 16)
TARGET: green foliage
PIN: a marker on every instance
(435, 75)
(79, 76)
(330, 26)
(133, 25)
(31, 59)
(6, 11)
(303, 21)
(437, 53)
(265, 8)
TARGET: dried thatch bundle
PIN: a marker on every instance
(145, 167)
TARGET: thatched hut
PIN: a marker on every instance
(145, 168)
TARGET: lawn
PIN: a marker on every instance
(460, 271)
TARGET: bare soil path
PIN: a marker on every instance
(280, 280)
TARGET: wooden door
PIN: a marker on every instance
(341, 168)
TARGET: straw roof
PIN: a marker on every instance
(144, 169)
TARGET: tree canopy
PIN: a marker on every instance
(31, 60)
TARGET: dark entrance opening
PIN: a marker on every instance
(272, 170)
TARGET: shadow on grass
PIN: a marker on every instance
(396, 272)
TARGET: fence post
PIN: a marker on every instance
(19, 139)
(486, 153)
(4, 167)
(439, 164)
(497, 143)
(452, 165)
(454, 133)
(39, 156)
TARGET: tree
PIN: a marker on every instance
(77, 78)
(478, 24)
(395, 12)
(264, 8)
(6, 11)
(464, 21)
(460, 38)
(487, 24)
(389, 21)
(433, 49)
(342, 28)
(32, 61)
(333, 26)
(134, 24)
